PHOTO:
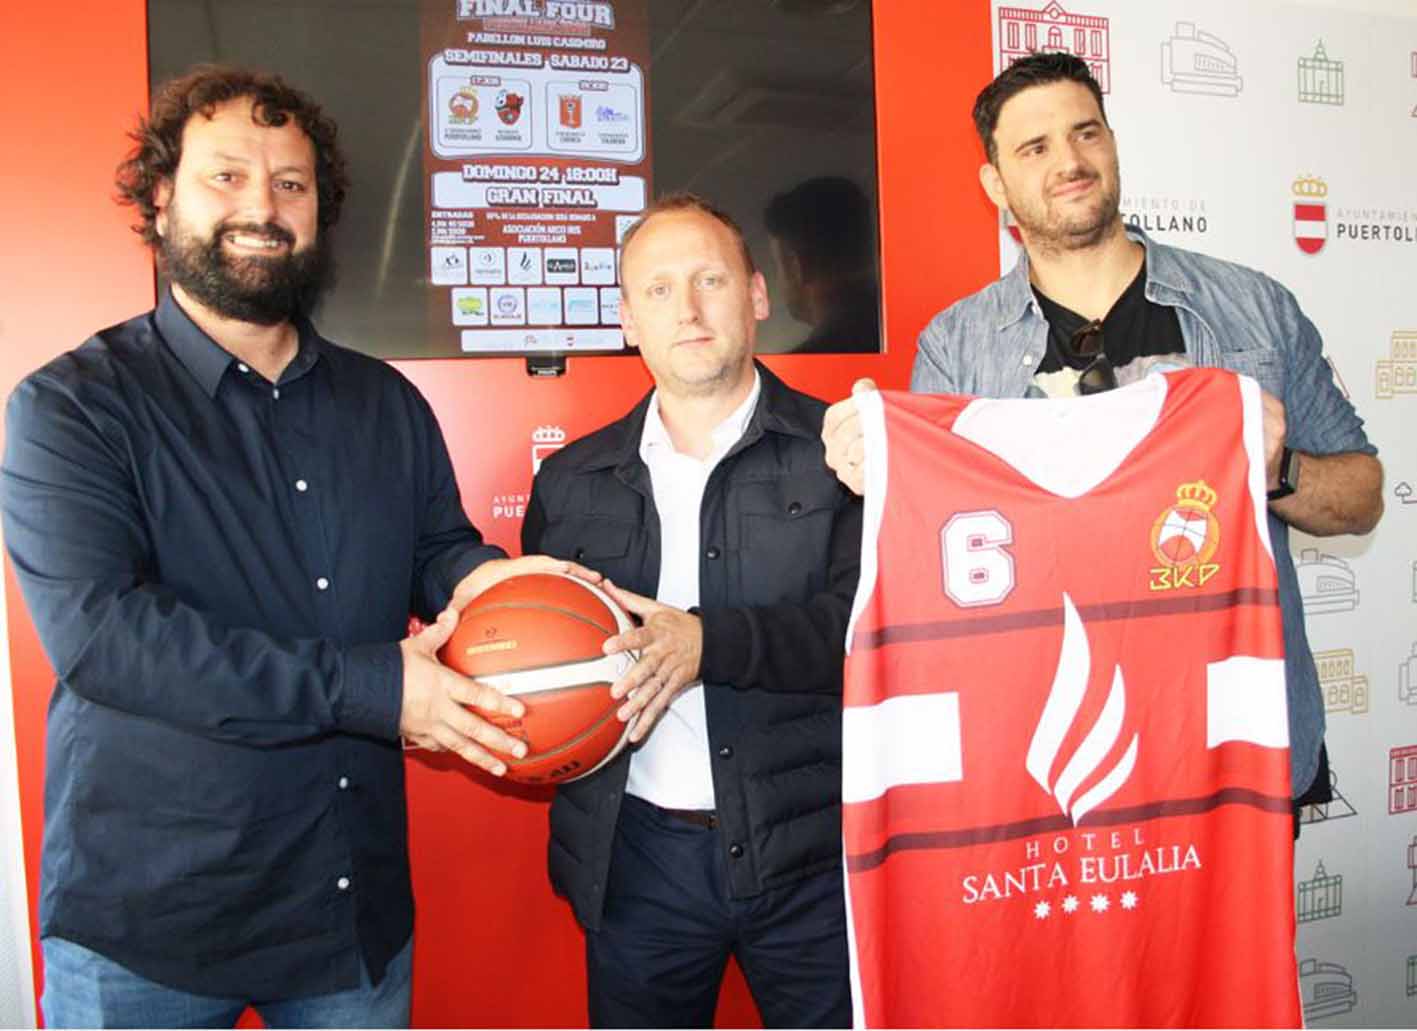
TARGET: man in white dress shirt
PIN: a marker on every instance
(710, 511)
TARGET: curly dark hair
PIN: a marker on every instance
(157, 139)
(1033, 70)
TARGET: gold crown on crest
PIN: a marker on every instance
(548, 435)
(1196, 495)
(1310, 186)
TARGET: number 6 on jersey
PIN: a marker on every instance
(978, 569)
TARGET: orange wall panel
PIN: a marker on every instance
(494, 946)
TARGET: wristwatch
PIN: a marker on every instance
(1288, 475)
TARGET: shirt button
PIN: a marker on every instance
(301, 486)
(322, 583)
(712, 552)
(726, 752)
(243, 366)
(344, 783)
(275, 393)
(1026, 360)
(735, 850)
(342, 884)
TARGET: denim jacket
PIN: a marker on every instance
(991, 343)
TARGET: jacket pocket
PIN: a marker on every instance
(787, 552)
(600, 544)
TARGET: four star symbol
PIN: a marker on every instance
(1098, 903)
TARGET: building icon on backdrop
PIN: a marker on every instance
(1320, 78)
(1342, 689)
(1325, 989)
(1195, 61)
(1320, 897)
(1397, 373)
(1412, 865)
(1322, 812)
(1407, 668)
(1050, 29)
(1402, 780)
(1325, 583)
(1411, 976)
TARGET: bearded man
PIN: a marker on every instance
(220, 522)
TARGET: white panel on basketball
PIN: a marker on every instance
(909, 740)
(604, 668)
(1245, 701)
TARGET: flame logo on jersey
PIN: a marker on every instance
(1060, 712)
(1184, 539)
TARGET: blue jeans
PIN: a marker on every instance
(85, 989)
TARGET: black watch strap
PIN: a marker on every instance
(1288, 475)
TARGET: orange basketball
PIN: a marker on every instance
(538, 637)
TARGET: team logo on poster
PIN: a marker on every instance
(463, 106)
(1051, 29)
(1310, 213)
(509, 106)
(1184, 539)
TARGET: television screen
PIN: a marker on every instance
(499, 149)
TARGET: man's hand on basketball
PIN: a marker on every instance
(670, 644)
(435, 713)
(845, 443)
(495, 570)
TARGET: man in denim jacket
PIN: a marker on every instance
(1085, 278)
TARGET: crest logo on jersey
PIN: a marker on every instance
(1184, 538)
(1060, 712)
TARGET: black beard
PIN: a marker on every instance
(260, 290)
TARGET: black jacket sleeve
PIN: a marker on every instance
(791, 646)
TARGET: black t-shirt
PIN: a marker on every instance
(1133, 328)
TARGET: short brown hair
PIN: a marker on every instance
(683, 200)
(157, 140)
(1033, 70)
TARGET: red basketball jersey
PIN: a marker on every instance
(1065, 747)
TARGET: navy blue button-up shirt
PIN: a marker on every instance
(220, 569)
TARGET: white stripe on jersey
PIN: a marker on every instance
(1245, 701)
(909, 739)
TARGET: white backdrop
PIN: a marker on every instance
(1228, 115)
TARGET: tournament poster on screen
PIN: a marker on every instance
(537, 160)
